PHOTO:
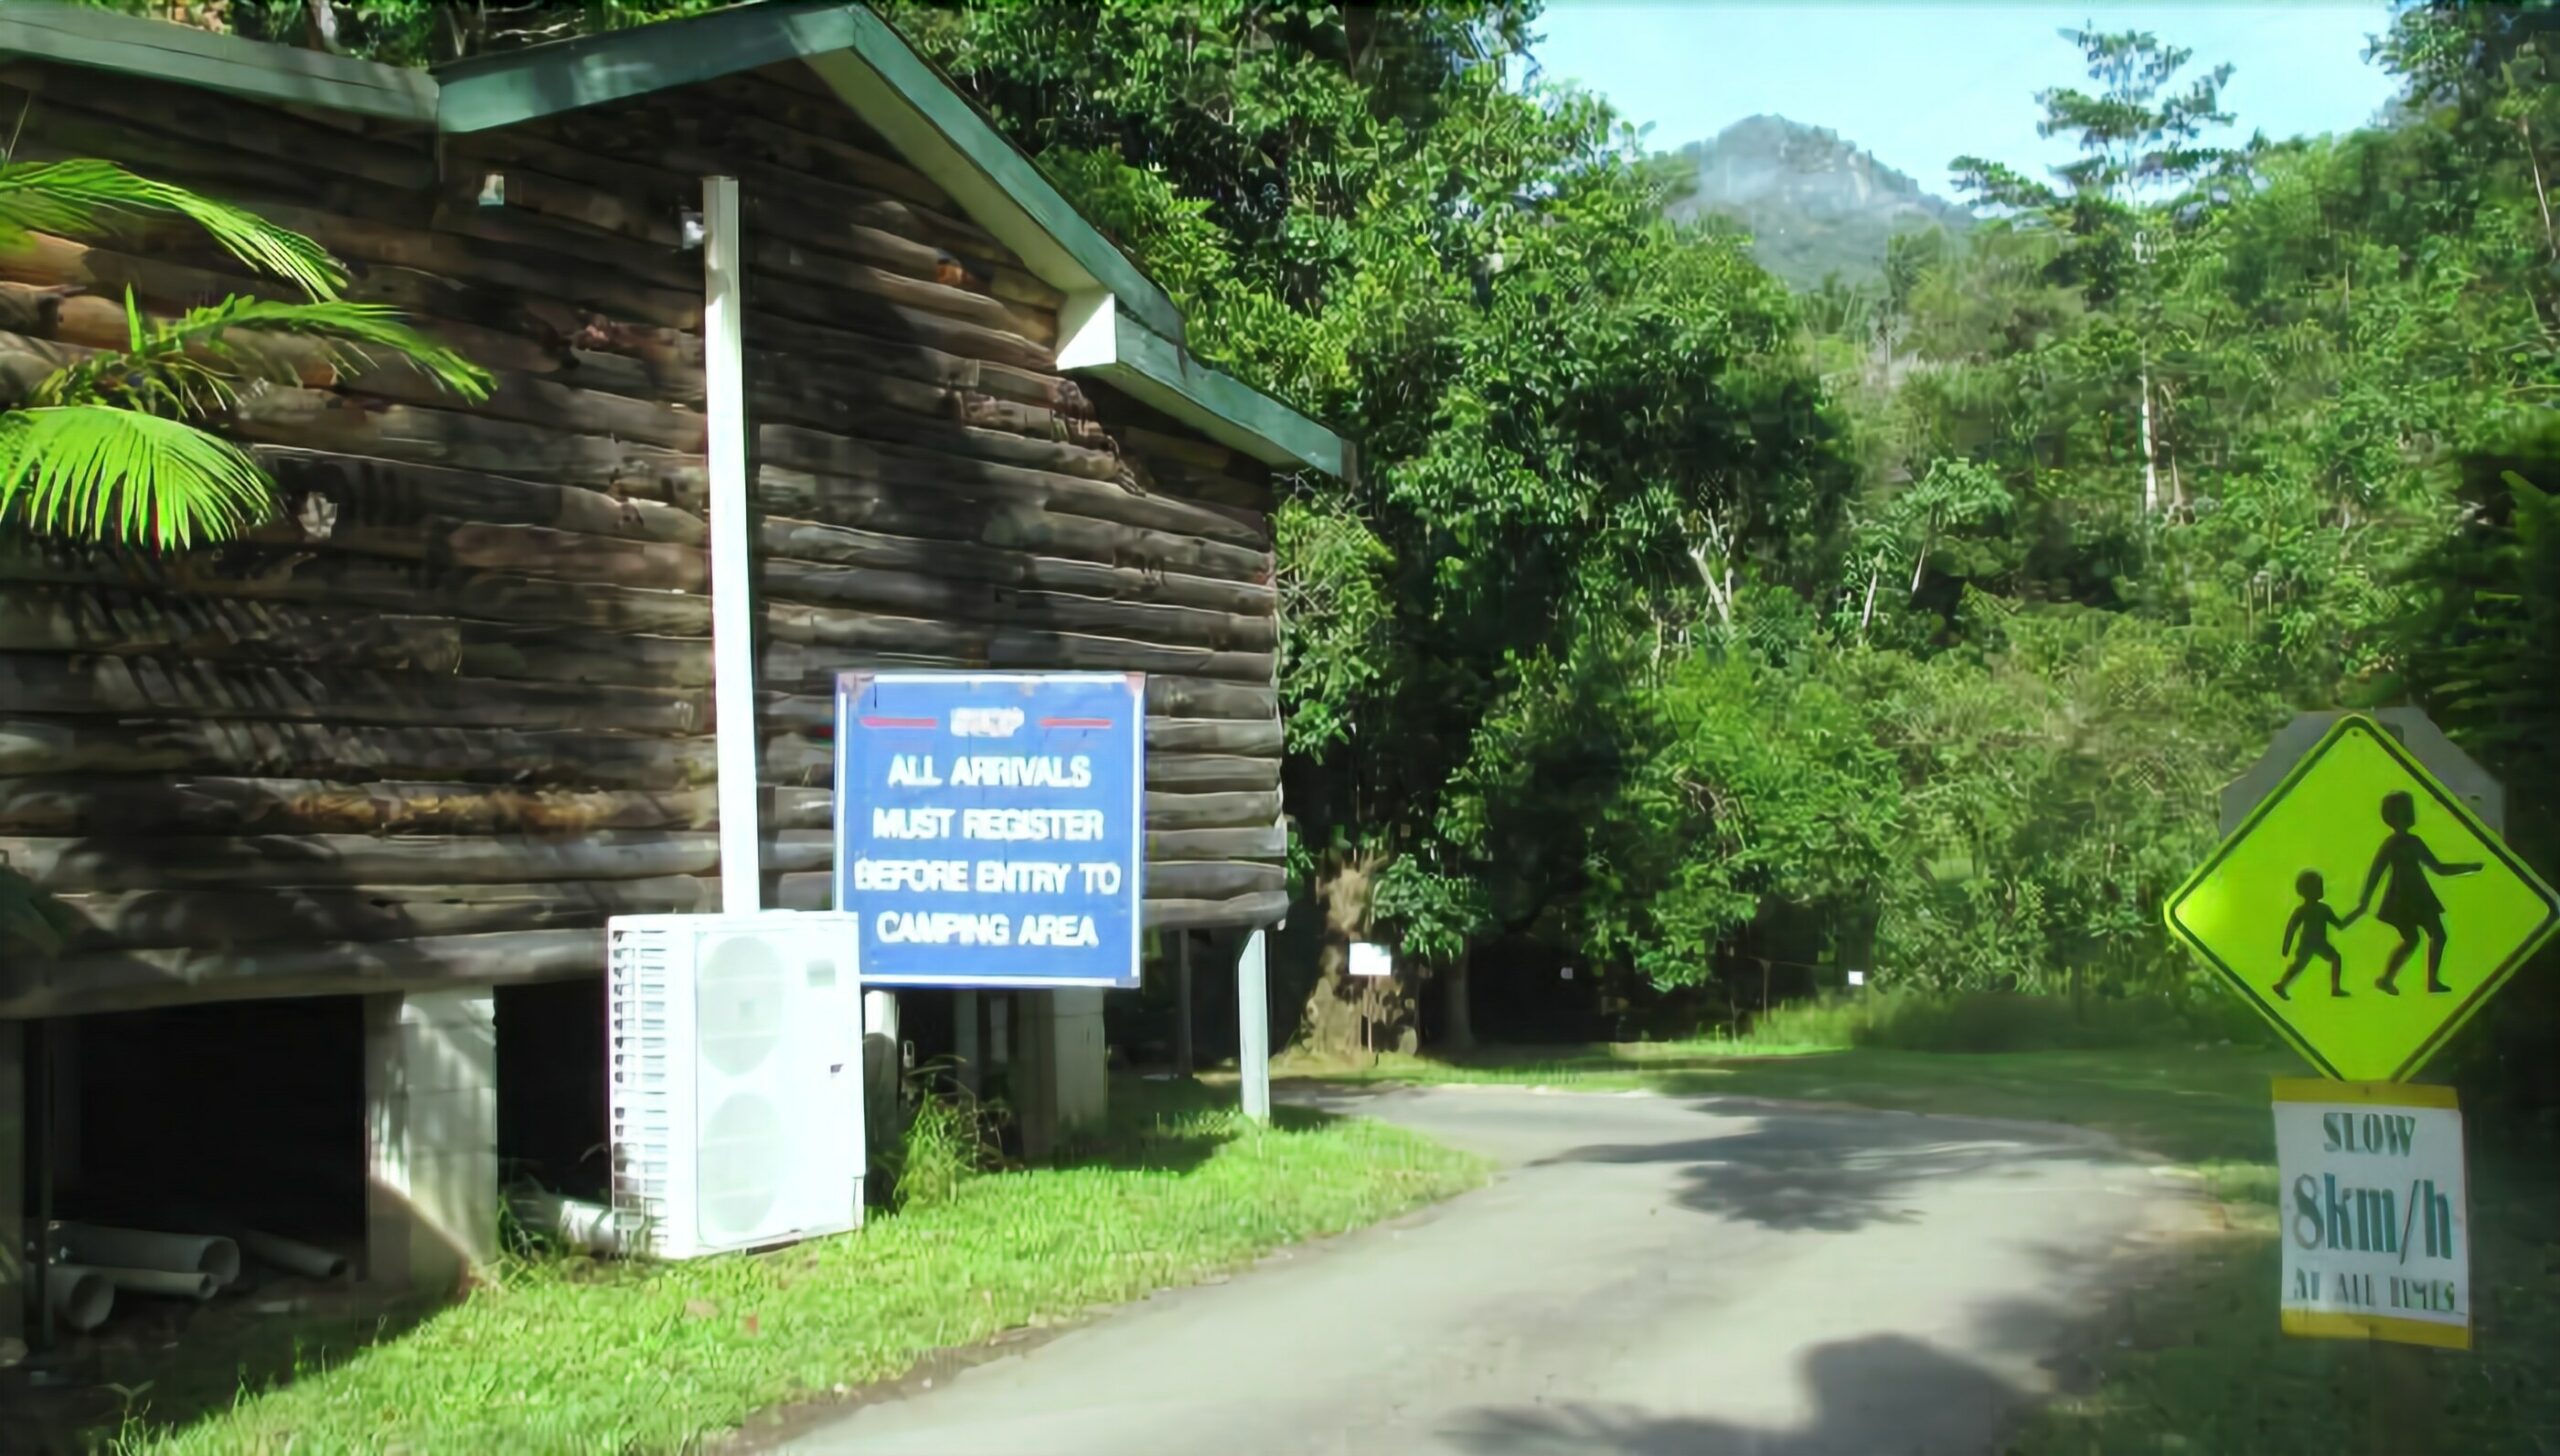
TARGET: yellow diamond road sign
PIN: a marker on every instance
(2363, 908)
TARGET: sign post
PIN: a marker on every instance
(1371, 962)
(2368, 912)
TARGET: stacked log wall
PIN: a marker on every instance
(451, 708)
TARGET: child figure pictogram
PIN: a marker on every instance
(2310, 927)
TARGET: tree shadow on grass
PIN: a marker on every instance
(175, 1363)
(1171, 1125)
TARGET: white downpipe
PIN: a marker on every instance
(733, 620)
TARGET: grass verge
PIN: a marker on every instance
(654, 1357)
(2201, 1367)
(2194, 1363)
(2197, 1104)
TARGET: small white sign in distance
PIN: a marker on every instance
(1370, 959)
(2371, 1188)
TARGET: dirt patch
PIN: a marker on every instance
(166, 1362)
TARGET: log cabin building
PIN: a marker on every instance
(329, 820)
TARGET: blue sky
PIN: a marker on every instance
(1918, 83)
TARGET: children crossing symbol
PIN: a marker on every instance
(2432, 884)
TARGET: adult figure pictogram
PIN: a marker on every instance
(2409, 904)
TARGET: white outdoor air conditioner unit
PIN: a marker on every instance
(735, 1072)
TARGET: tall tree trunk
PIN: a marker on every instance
(2150, 456)
(1331, 1025)
(1461, 1029)
(2541, 195)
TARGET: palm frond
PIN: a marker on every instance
(188, 364)
(142, 376)
(87, 196)
(97, 472)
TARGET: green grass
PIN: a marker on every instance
(653, 1357)
(2203, 1369)
(2192, 1361)
(1998, 1021)
(2196, 1104)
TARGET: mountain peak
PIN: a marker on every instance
(1814, 203)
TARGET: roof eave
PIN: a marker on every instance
(130, 45)
(879, 77)
(1098, 340)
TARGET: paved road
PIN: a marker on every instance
(1651, 1276)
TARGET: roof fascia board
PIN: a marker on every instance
(872, 68)
(488, 92)
(138, 46)
(1099, 340)
(944, 135)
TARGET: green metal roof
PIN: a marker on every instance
(879, 76)
(136, 47)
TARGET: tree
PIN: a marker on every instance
(2117, 207)
(1571, 413)
(411, 32)
(2479, 653)
(104, 448)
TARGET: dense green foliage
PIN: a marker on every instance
(1909, 626)
(1582, 424)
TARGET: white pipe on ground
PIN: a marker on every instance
(291, 1255)
(120, 1248)
(591, 1227)
(79, 1299)
(167, 1283)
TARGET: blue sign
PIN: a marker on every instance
(990, 827)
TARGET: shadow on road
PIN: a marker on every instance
(1831, 1173)
(1882, 1394)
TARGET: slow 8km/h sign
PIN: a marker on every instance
(2363, 909)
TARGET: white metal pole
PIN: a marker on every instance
(733, 656)
(1253, 1021)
